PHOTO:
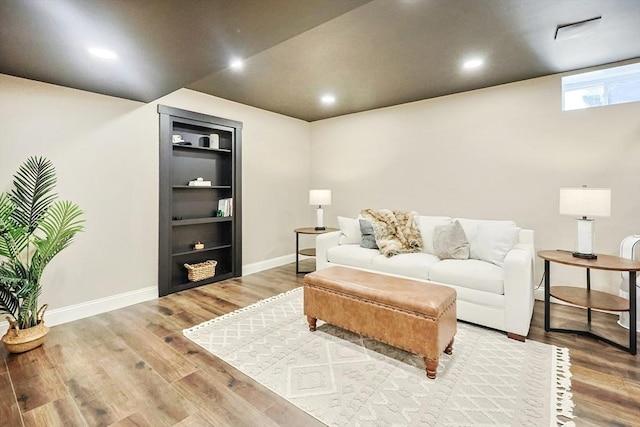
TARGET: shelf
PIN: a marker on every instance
(215, 248)
(208, 187)
(193, 221)
(194, 147)
(590, 299)
(216, 278)
(308, 252)
(188, 214)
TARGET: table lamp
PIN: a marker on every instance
(320, 197)
(585, 202)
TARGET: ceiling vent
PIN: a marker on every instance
(576, 29)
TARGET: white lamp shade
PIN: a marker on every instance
(319, 197)
(585, 201)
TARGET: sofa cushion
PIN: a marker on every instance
(350, 231)
(427, 224)
(470, 273)
(450, 241)
(471, 230)
(493, 241)
(414, 265)
(368, 235)
(352, 255)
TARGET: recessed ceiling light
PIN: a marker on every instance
(102, 53)
(328, 99)
(472, 63)
(236, 64)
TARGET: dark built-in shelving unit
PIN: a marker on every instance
(188, 214)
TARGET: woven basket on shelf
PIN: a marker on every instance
(201, 271)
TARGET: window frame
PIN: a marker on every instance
(601, 78)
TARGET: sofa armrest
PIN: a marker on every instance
(323, 243)
(518, 288)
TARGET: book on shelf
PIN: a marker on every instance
(225, 207)
(214, 141)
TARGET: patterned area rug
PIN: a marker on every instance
(343, 379)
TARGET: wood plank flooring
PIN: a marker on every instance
(133, 367)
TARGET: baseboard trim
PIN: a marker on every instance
(539, 293)
(70, 313)
(267, 264)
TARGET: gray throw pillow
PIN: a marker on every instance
(368, 236)
(450, 241)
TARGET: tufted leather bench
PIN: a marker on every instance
(415, 316)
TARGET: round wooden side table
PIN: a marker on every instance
(591, 299)
(307, 251)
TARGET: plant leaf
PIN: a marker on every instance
(28, 310)
(34, 182)
(9, 302)
(13, 238)
(59, 225)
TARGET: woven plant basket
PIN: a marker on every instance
(18, 340)
(201, 271)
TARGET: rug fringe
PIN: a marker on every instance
(240, 310)
(562, 384)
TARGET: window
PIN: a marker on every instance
(603, 87)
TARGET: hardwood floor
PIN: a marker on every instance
(133, 367)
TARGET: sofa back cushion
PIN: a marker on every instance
(490, 240)
(349, 231)
(493, 241)
(427, 225)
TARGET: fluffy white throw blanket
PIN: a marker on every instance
(396, 232)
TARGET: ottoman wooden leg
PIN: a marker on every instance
(312, 323)
(432, 367)
(449, 348)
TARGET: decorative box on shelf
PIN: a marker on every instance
(201, 271)
(198, 245)
(199, 182)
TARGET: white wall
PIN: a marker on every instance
(501, 152)
(496, 153)
(105, 151)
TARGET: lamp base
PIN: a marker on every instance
(584, 256)
(320, 219)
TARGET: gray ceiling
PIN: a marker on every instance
(369, 54)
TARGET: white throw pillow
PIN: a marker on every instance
(350, 229)
(471, 227)
(493, 241)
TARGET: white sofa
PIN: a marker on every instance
(497, 294)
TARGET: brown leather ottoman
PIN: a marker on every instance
(415, 316)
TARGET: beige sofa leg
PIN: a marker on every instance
(516, 337)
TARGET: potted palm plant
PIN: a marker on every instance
(34, 228)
